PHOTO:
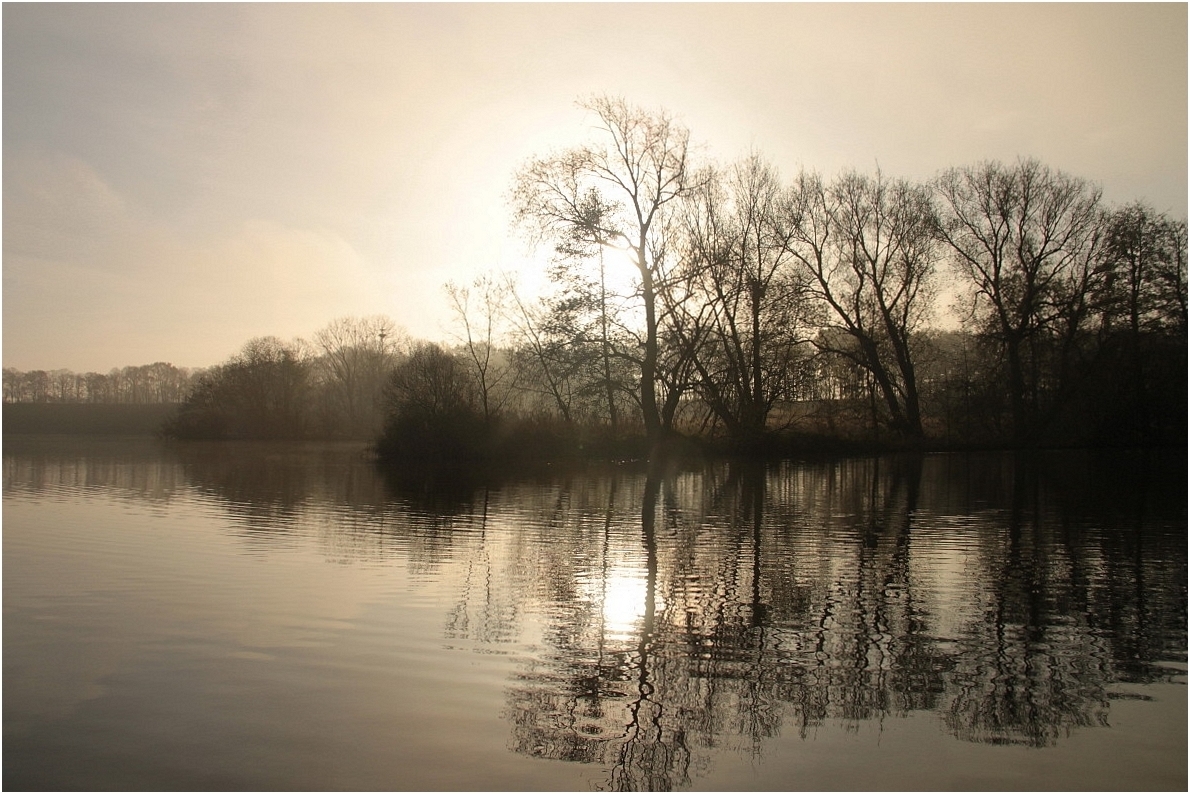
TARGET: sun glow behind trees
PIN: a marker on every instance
(751, 287)
(667, 295)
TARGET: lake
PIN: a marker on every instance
(246, 616)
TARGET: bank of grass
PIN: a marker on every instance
(467, 442)
(86, 419)
(468, 439)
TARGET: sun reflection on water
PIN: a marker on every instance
(623, 598)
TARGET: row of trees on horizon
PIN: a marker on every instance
(329, 386)
(759, 305)
(159, 382)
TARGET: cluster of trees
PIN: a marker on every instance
(148, 384)
(329, 387)
(723, 301)
(759, 304)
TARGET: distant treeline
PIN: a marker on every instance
(150, 383)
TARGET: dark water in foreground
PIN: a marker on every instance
(252, 617)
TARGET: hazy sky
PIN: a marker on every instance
(181, 178)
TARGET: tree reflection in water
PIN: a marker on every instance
(661, 614)
(749, 600)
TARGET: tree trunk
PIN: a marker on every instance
(1016, 390)
(607, 359)
(654, 429)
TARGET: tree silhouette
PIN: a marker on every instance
(868, 244)
(752, 301)
(357, 357)
(617, 191)
(263, 391)
(434, 410)
(1027, 238)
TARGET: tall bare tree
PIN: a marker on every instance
(1147, 253)
(568, 346)
(868, 245)
(754, 298)
(481, 310)
(616, 191)
(1027, 239)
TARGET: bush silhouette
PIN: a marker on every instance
(433, 411)
(263, 392)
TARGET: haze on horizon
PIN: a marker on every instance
(181, 178)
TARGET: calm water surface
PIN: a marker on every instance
(281, 617)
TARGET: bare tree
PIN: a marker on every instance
(358, 354)
(752, 299)
(616, 191)
(868, 245)
(1026, 238)
(431, 382)
(261, 392)
(1141, 334)
(432, 409)
(552, 349)
(481, 311)
(1147, 256)
(149, 383)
